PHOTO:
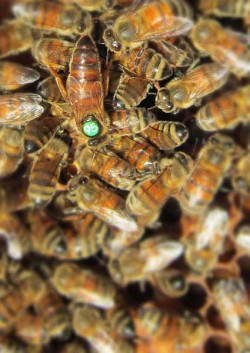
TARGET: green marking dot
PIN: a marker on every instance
(91, 128)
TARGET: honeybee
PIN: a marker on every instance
(141, 260)
(49, 90)
(93, 196)
(84, 286)
(150, 195)
(89, 324)
(227, 47)
(63, 19)
(168, 332)
(39, 132)
(16, 235)
(138, 152)
(145, 62)
(181, 93)
(166, 135)
(12, 305)
(109, 167)
(130, 122)
(52, 52)
(226, 111)
(171, 282)
(231, 297)
(19, 108)
(130, 92)
(45, 171)
(150, 20)
(212, 163)
(229, 8)
(120, 321)
(208, 241)
(241, 175)
(14, 76)
(15, 37)
(11, 150)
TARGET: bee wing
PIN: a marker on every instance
(118, 218)
(20, 108)
(27, 75)
(172, 26)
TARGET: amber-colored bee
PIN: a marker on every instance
(150, 20)
(89, 324)
(145, 62)
(94, 196)
(16, 235)
(109, 167)
(181, 93)
(12, 305)
(55, 17)
(84, 240)
(150, 195)
(231, 297)
(52, 52)
(39, 132)
(208, 240)
(130, 122)
(141, 260)
(212, 163)
(138, 153)
(226, 111)
(130, 92)
(84, 286)
(49, 90)
(14, 76)
(46, 170)
(15, 37)
(11, 150)
(168, 332)
(223, 45)
(19, 108)
(166, 135)
(241, 175)
(229, 8)
(121, 321)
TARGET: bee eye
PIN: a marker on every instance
(116, 46)
(109, 33)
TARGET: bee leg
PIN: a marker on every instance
(59, 82)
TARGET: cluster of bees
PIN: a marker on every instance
(125, 176)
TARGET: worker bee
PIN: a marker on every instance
(49, 90)
(109, 167)
(166, 135)
(63, 19)
(150, 20)
(45, 171)
(208, 240)
(181, 93)
(168, 332)
(150, 195)
(144, 62)
(231, 296)
(130, 92)
(138, 152)
(19, 108)
(212, 163)
(11, 150)
(94, 196)
(241, 175)
(52, 53)
(39, 132)
(89, 324)
(138, 262)
(131, 121)
(223, 45)
(120, 321)
(14, 76)
(15, 37)
(226, 111)
(16, 235)
(229, 8)
(83, 285)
